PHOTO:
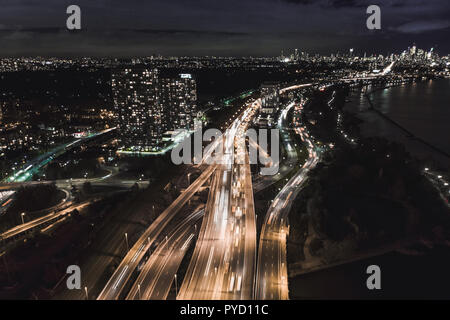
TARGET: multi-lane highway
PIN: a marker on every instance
(114, 287)
(223, 262)
(272, 277)
(288, 161)
(67, 183)
(42, 221)
(61, 210)
(116, 284)
(160, 271)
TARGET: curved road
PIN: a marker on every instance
(272, 277)
(159, 272)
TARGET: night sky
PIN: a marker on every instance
(225, 28)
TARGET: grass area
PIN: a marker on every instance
(146, 167)
(85, 168)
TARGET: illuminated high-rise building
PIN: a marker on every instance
(148, 106)
(179, 102)
(270, 99)
(296, 55)
(136, 99)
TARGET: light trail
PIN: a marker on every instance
(136, 253)
(220, 252)
(271, 277)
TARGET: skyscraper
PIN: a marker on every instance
(135, 94)
(148, 106)
(179, 102)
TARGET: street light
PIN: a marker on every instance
(22, 215)
(126, 240)
(176, 285)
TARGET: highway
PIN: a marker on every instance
(66, 183)
(42, 221)
(290, 159)
(223, 263)
(60, 210)
(6, 198)
(118, 281)
(159, 272)
(33, 166)
(296, 87)
(115, 285)
(272, 277)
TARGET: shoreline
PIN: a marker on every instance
(297, 271)
(410, 134)
(372, 118)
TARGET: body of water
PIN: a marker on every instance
(402, 277)
(423, 108)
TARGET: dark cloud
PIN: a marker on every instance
(186, 32)
(346, 3)
(302, 2)
(336, 3)
(423, 26)
(233, 27)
